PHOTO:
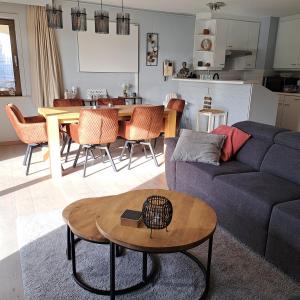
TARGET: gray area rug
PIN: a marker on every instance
(237, 273)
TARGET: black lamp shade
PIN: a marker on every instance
(54, 16)
(79, 22)
(101, 22)
(123, 23)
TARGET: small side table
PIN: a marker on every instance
(132, 100)
(215, 118)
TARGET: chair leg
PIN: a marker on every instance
(64, 143)
(110, 159)
(123, 150)
(130, 155)
(26, 155)
(68, 149)
(77, 156)
(153, 154)
(155, 142)
(145, 151)
(29, 159)
(86, 159)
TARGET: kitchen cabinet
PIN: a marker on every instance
(287, 52)
(242, 35)
(225, 34)
(288, 113)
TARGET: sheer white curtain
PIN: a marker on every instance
(46, 78)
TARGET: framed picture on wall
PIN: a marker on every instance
(152, 49)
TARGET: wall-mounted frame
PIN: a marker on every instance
(152, 49)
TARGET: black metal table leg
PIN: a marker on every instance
(112, 271)
(209, 262)
(73, 257)
(145, 271)
(68, 243)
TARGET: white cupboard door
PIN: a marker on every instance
(280, 112)
(291, 118)
(220, 43)
(287, 45)
(253, 35)
(237, 35)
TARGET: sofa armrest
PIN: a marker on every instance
(170, 166)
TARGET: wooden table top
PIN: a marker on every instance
(193, 222)
(72, 112)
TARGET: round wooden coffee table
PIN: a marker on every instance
(80, 218)
(193, 223)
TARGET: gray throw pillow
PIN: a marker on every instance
(194, 146)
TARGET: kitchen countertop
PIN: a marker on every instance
(289, 94)
(215, 81)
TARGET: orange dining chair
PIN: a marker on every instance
(65, 128)
(97, 128)
(30, 130)
(178, 105)
(145, 124)
(113, 101)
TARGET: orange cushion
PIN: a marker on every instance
(236, 138)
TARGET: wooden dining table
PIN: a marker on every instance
(67, 115)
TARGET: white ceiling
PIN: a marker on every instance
(251, 8)
(235, 7)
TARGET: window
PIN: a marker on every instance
(10, 84)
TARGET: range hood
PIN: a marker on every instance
(238, 53)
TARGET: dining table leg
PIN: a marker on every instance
(170, 124)
(54, 147)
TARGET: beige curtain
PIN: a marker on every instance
(46, 75)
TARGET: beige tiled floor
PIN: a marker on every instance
(22, 195)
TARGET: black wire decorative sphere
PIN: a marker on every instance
(157, 212)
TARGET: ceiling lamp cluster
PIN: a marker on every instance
(215, 5)
(54, 16)
(79, 19)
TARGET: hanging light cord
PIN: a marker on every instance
(122, 6)
(101, 5)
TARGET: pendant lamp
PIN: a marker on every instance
(54, 16)
(78, 16)
(101, 21)
(123, 22)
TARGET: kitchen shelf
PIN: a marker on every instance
(205, 51)
(206, 35)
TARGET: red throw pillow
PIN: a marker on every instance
(236, 138)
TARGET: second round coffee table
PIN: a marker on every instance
(193, 223)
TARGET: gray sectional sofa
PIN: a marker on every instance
(256, 195)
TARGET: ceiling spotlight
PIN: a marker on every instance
(215, 5)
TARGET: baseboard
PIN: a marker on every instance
(10, 143)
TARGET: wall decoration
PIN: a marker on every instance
(152, 49)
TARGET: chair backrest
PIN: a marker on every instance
(67, 102)
(178, 105)
(98, 126)
(14, 114)
(114, 101)
(146, 122)
(16, 119)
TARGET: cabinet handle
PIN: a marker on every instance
(293, 64)
(296, 99)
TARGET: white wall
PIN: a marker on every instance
(18, 13)
(175, 43)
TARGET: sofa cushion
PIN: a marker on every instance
(283, 245)
(251, 197)
(194, 146)
(170, 166)
(235, 139)
(283, 161)
(200, 175)
(253, 152)
(290, 139)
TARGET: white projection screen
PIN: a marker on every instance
(108, 52)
